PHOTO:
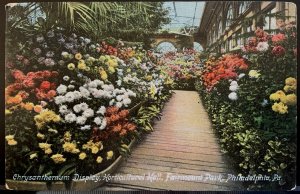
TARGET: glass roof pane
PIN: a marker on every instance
(183, 14)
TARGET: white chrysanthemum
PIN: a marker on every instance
(101, 110)
(63, 109)
(61, 89)
(265, 102)
(77, 108)
(85, 127)
(92, 90)
(233, 96)
(97, 93)
(71, 87)
(126, 79)
(119, 82)
(65, 54)
(66, 78)
(70, 97)
(77, 95)
(119, 104)
(70, 118)
(108, 87)
(92, 84)
(84, 106)
(98, 120)
(233, 83)
(262, 46)
(111, 102)
(131, 93)
(241, 75)
(98, 82)
(126, 101)
(233, 88)
(53, 130)
(59, 99)
(106, 95)
(103, 125)
(81, 120)
(119, 98)
(105, 87)
(88, 113)
(84, 92)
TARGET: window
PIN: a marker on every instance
(229, 17)
(238, 38)
(198, 46)
(216, 35)
(270, 22)
(165, 47)
(291, 11)
(220, 32)
(244, 6)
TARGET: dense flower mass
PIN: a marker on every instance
(73, 103)
(253, 105)
(224, 68)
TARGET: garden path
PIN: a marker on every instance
(182, 144)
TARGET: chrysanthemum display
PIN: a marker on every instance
(73, 104)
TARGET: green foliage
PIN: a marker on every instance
(260, 140)
(129, 21)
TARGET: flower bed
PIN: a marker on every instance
(251, 99)
(68, 103)
(182, 67)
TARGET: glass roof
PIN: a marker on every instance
(183, 15)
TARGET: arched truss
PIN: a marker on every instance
(197, 46)
(165, 46)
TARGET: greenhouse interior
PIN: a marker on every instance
(130, 96)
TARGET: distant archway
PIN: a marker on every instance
(197, 46)
(165, 46)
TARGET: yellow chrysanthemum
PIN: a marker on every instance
(111, 70)
(99, 159)
(289, 88)
(148, 77)
(46, 116)
(78, 56)
(291, 99)
(48, 151)
(82, 156)
(7, 112)
(290, 81)
(103, 75)
(102, 58)
(67, 136)
(81, 66)
(254, 73)
(109, 155)
(280, 108)
(70, 147)
(112, 63)
(12, 142)
(58, 158)
(9, 137)
(32, 156)
(71, 66)
(44, 146)
(40, 136)
(95, 149)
